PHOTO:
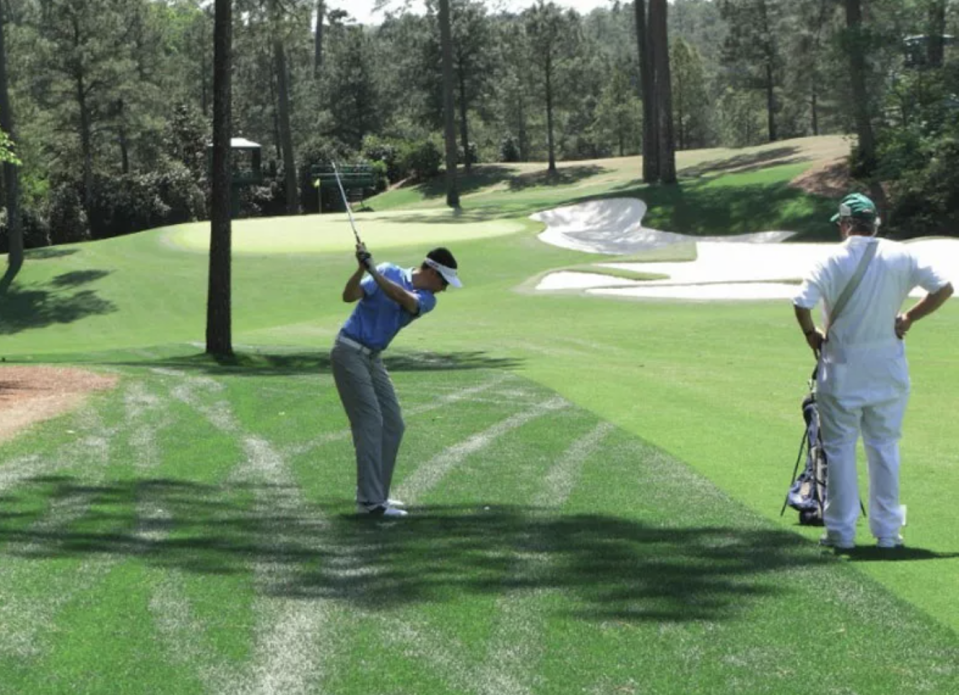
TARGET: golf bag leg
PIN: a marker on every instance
(840, 431)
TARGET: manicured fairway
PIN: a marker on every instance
(193, 532)
(594, 486)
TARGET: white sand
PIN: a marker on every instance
(614, 226)
(751, 266)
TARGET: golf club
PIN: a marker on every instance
(346, 203)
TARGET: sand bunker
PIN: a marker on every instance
(749, 266)
(615, 226)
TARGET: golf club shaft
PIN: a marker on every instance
(346, 203)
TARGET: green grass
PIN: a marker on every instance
(595, 485)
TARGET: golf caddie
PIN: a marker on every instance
(388, 298)
(862, 382)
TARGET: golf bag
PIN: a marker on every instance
(807, 492)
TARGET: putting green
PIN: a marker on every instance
(331, 232)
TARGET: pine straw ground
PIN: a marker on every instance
(33, 394)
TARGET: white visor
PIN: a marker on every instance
(449, 274)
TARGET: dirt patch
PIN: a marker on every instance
(829, 179)
(33, 394)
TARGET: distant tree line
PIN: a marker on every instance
(112, 99)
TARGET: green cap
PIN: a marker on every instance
(858, 206)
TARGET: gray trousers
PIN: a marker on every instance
(376, 420)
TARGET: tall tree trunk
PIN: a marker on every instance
(522, 136)
(204, 94)
(663, 90)
(318, 39)
(86, 147)
(855, 48)
(11, 187)
(770, 104)
(769, 54)
(680, 122)
(124, 151)
(824, 7)
(814, 106)
(449, 117)
(464, 126)
(650, 124)
(219, 340)
(286, 134)
(549, 116)
(937, 28)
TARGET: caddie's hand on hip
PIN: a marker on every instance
(815, 340)
(903, 324)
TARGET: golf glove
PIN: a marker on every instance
(366, 259)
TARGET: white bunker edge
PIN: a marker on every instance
(740, 267)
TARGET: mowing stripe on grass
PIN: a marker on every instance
(27, 563)
(182, 634)
(426, 476)
(561, 478)
(441, 402)
(440, 653)
(17, 470)
(517, 638)
(219, 414)
(145, 417)
(513, 646)
(289, 632)
(290, 637)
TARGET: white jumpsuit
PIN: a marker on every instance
(863, 382)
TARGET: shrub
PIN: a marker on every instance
(422, 159)
(319, 152)
(36, 230)
(68, 220)
(377, 149)
(471, 152)
(128, 203)
(380, 172)
(509, 149)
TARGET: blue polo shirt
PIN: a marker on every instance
(377, 319)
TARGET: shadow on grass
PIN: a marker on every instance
(699, 209)
(486, 175)
(746, 162)
(78, 277)
(48, 252)
(904, 554)
(482, 176)
(609, 568)
(318, 362)
(564, 176)
(44, 305)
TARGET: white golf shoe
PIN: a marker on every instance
(828, 541)
(383, 510)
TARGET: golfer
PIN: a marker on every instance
(388, 299)
(863, 378)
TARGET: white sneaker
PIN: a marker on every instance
(890, 542)
(828, 541)
(380, 510)
(395, 503)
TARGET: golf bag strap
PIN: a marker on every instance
(853, 283)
